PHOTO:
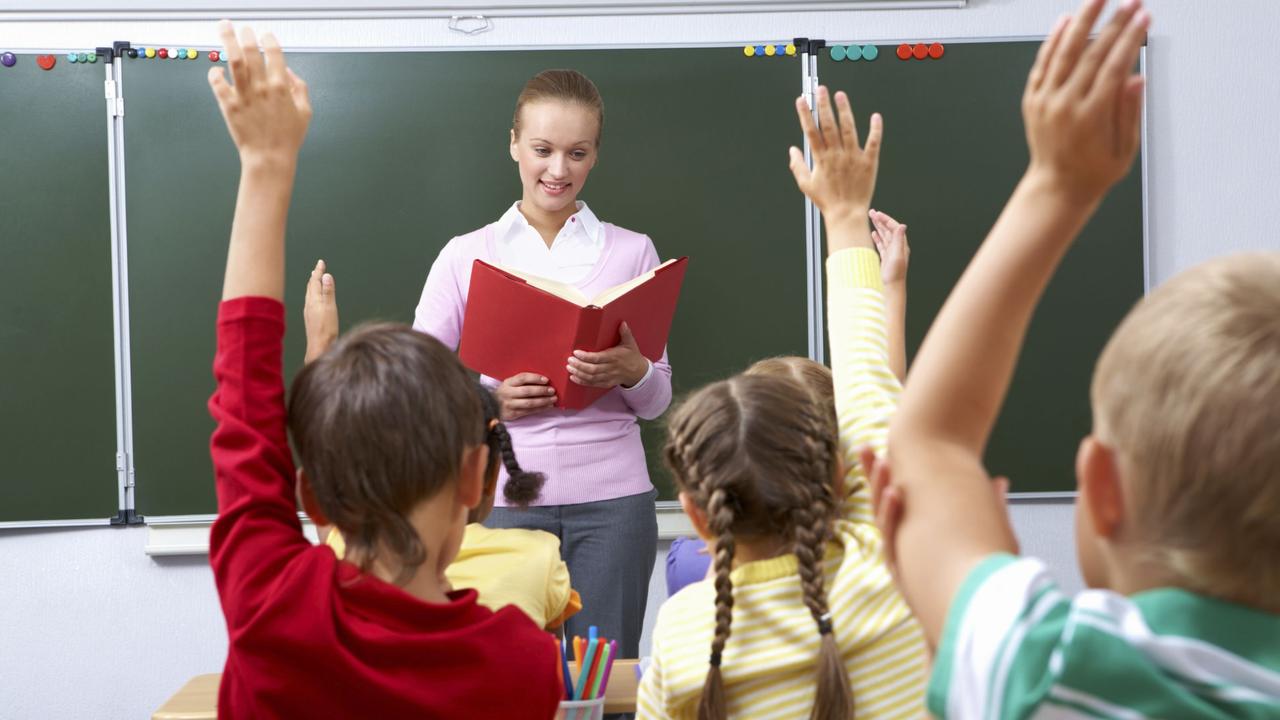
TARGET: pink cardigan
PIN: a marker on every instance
(587, 455)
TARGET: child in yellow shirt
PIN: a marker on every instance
(504, 566)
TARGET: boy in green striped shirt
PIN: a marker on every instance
(1178, 515)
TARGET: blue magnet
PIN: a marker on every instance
(837, 52)
(759, 51)
(8, 59)
(870, 52)
(855, 53)
(72, 57)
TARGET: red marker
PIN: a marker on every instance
(921, 51)
(904, 51)
(936, 50)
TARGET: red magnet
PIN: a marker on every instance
(936, 50)
(46, 62)
(213, 56)
(904, 51)
(162, 53)
(921, 51)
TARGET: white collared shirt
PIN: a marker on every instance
(572, 255)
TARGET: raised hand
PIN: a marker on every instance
(621, 364)
(1083, 102)
(890, 239)
(267, 110)
(320, 312)
(843, 176)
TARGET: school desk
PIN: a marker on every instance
(198, 699)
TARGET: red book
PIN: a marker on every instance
(520, 323)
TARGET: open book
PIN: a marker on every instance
(520, 323)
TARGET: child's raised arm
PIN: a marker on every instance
(267, 111)
(1081, 107)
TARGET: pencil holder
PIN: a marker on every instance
(581, 709)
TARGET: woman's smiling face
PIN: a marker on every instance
(556, 149)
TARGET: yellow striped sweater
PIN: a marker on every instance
(768, 663)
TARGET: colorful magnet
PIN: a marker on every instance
(791, 49)
(770, 50)
(748, 50)
(870, 52)
(72, 57)
(213, 56)
(920, 51)
(854, 53)
(838, 52)
(131, 52)
(8, 59)
(93, 57)
(192, 54)
(759, 51)
(162, 53)
(904, 52)
(936, 50)
(46, 62)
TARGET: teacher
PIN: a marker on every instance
(598, 498)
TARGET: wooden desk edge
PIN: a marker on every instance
(198, 698)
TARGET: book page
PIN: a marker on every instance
(618, 291)
(559, 289)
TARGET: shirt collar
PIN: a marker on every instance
(513, 223)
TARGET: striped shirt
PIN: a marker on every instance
(1015, 647)
(769, 662)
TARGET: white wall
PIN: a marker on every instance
(91, 626)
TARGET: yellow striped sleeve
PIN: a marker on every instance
(866, 390)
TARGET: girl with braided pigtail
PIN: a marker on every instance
(801, 614)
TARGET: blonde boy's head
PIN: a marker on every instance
(1187, 393)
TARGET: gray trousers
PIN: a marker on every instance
(609, 547)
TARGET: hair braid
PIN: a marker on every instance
(833, 699)
(720, 516)
(522, 487)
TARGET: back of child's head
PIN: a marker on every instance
(523, 487)
(812, 375)
(1187, 392)
(381, 422)
(758, 456)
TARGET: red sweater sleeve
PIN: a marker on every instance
(257, 531)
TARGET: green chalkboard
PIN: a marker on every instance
(409, 149)
(953, 150)
(58, 425)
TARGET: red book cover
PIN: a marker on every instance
(518, 323)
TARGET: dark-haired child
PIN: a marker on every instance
(504, 566)
(390, 431)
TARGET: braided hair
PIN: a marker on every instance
(522, 487)
(758, 456)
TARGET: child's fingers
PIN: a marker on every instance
(273, 60)
(872, 149)
(221, 89)
(887, 517)
(1129, 115)
(827, 118)
(254, 69)
(327, 286)
(1086, 71)
(799, 168)
(807, 124)
(233, 52)
(848, 130)
(1118, 65)
(879, 243)
(301, 93)
(1066, 57)
(1040, 69)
